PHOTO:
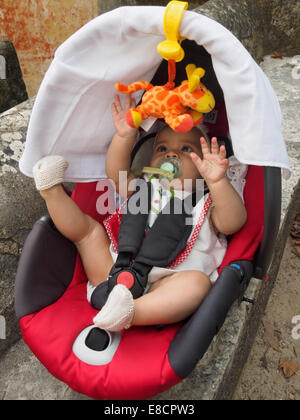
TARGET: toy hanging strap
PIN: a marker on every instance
(172, 74)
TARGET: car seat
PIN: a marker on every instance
(55, 317)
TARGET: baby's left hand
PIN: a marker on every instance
(213, 165)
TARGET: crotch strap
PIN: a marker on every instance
(161, 245)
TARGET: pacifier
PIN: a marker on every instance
(166, 169)
(172, 166)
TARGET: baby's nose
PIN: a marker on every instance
(172, 153)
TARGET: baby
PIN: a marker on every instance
(173, 294)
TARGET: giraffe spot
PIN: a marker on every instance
(121, 88)
(178, 109)
(172, 100)
(139, 86)
(162, 95)
(183, 87)
(198, 94)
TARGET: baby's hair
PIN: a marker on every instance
(203, 131)
(200, 127)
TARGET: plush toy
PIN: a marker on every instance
(182, 107)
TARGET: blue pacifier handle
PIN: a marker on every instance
(172, 165)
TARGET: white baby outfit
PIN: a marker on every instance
(205, 248)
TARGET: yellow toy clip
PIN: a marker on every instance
(171, 49)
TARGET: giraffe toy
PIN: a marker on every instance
(182, 107)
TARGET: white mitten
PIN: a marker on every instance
(49, 171)
(118, 311)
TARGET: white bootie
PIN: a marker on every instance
(118, 311)
(49, 171)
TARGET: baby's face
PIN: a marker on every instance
(170, 143)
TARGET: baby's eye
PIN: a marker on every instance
(187, 149)
(161, 149)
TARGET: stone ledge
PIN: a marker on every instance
(20, 207)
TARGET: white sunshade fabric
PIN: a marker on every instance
(71, 116)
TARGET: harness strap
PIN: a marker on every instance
(166, 239)
(133, 224)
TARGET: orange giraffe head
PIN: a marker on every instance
(193, 93)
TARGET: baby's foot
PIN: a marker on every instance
(118, 311)
(49, 171)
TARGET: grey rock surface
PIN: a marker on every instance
(12, 87)
(281, 26)
(22, 377)
(107, 5)
(20, 207)
(263, 26)
(13, 131)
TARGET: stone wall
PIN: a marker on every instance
(264, 26)
(38, 27)
(20, 207)
(281, 25)
(12, 86)
(107, 5)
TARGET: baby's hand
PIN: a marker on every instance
(214, 164)
(119, 116)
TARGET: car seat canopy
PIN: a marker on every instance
(72, 109)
